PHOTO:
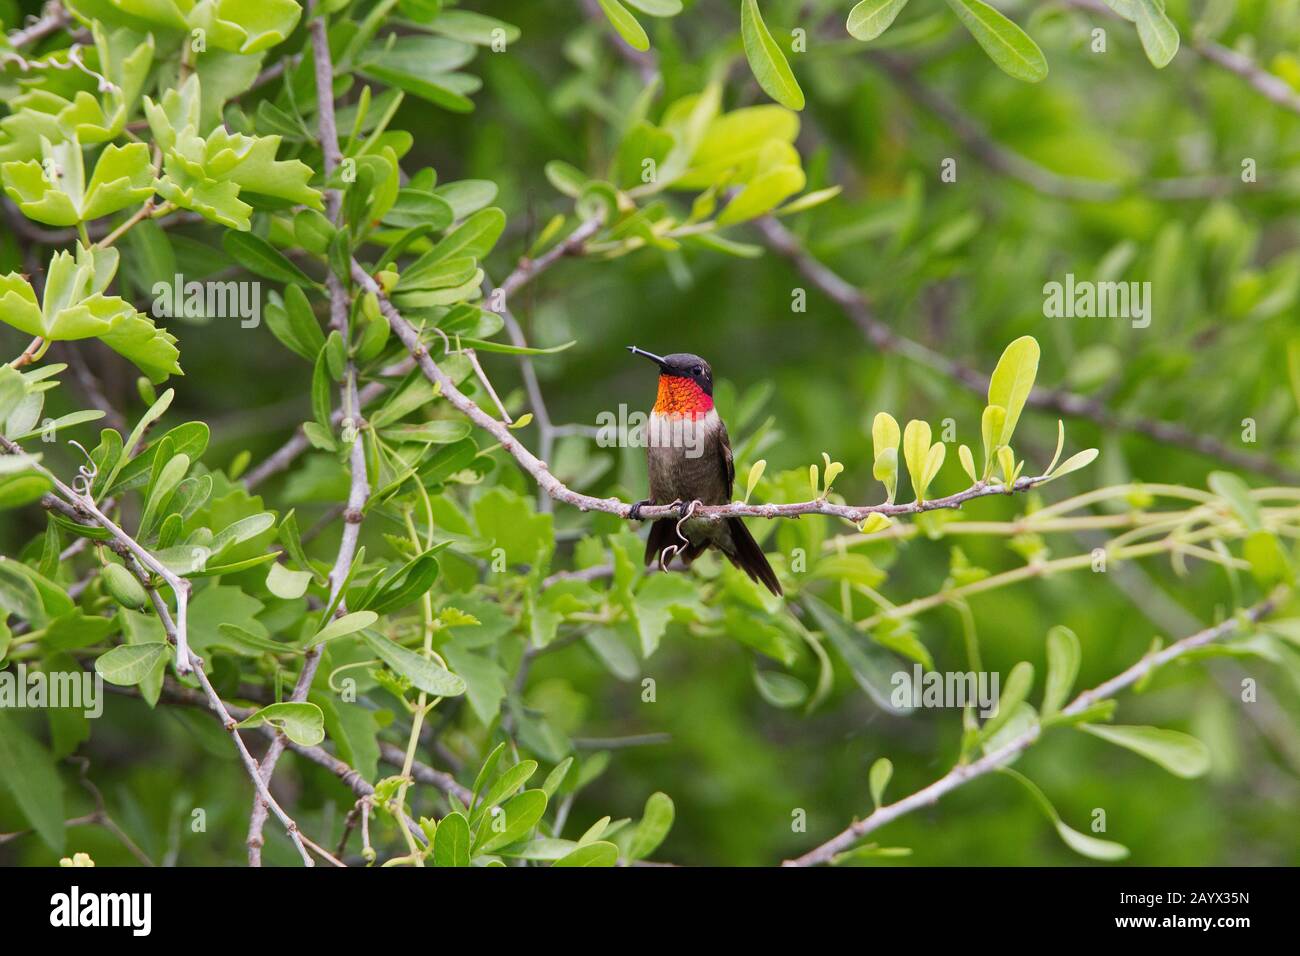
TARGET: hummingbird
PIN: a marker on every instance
(689, 460)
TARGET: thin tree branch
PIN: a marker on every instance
(218, 707)
(53, 19)
(351, 777)
(80, 508)
(541, 473)
(524, 272)
(359, 487)
(964, 773)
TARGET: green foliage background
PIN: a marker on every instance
(959, 266)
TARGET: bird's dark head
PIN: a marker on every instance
(681, 365)
(685, 382)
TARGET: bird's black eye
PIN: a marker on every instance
(697, 370)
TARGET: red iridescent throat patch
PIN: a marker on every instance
(682, 396)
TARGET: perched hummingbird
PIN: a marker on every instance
(689, 456)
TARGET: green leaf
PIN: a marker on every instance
(345, 625)
(128, 664)
(878, 779)
(553, 779)
(1157, 32)
(424, 675)
(655, 823)
(302, 723)
(292, 541)
(1063, 656)
(766, 59)
(1006, 44)
(504, 787)
(489, 765)
(1181, 754)
(1237, 494)
(504, 348)
(287, 584)
(872, 666)
(1081, 843)
(762, 194)
(1012, 381)
(1269, 563)
(521, 813)
(870, 18)
(755, 475)
(1014, 691)
(29, 773)
(1080, 460)
(133, 441)
(303, 325)
(916, 450)
(626, 24)
(261, 258)
(658, 8)
(601, 853)
(451, 841)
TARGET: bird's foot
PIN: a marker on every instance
(684, 508)
(635, 513)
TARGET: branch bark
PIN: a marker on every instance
(359, 486)
(540, 471)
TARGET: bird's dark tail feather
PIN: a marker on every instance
(662, 534)
(749, 557)
(745, 554)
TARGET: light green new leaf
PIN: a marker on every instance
(755, 474)
(878, 779)
(628, 27)
(601, 853)
(655, 823)
(345, 625)
(302, 723)
(1157, 32)
(658, 8)
(1015, 53)
(968, 463)
(1081, 843)
(288, 584)
(1012, 381)
(74, 306)
(1181, 754)
(1014, 691)
(1080, 460)
(916, 449)
(1236, 493)
(1063, 656)
(766, 59)
(54, 191)
(870, 18)
(762, 194)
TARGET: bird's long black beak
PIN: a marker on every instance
(658, 360)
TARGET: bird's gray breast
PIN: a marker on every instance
(684, 459)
